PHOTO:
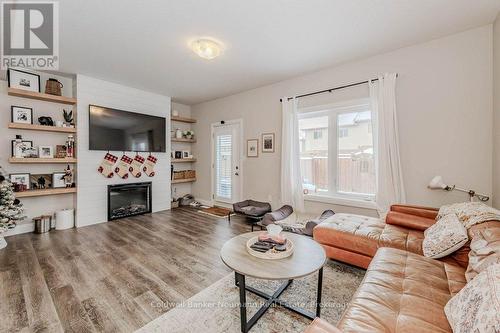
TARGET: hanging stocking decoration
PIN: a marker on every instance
(107, 164)
(149, 166)
(122, 166)
(135, 166)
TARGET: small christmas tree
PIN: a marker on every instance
(11, 209)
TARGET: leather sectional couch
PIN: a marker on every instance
(402, 291)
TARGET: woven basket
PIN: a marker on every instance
(179, 175)
(190, 174)
(53, 87)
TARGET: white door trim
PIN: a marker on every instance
(238, 121)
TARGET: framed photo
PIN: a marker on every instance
(58, 179)
(178, 154)
(45, 152)
(61, 151)
(21, 114)
(20, 178)
(28, 144)
(268, 143)
(253, 148)
(185, 154)
(23, 80)
(41, 181)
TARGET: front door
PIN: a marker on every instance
(226, 163)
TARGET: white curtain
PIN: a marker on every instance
(390, 186)
(291, 179)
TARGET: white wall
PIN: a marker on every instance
(496, 113)
(179, 190)
(92, 186)
(34, 206)
(444, 101)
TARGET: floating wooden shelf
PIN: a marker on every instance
(42, 160)
(178, 181)
(41, 96)
(49, 191)
(183, 140)
(42, 128)
(183, 119)
(183, 160)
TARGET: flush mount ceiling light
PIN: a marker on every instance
(206, 48)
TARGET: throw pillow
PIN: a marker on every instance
(444, 237)
(484, 248)
(476, 308)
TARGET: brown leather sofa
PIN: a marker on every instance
(355, 239)
(402, 290)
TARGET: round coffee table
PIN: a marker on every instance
(308, 257)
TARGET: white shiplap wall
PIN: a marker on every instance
(92, 186)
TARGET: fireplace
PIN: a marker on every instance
(128, 200)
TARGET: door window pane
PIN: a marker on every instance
(223, 165)
(355, 160)
(314, 154)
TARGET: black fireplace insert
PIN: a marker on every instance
(128, 200)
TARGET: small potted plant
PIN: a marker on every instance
(189, 134)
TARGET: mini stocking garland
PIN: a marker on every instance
(149, 166)
(107, 164)
(135, 166)
(122, 166)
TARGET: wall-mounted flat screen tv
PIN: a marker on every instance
(118, 130)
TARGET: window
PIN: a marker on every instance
(343, 132)
(340, 161)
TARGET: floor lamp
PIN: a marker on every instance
(437, 183)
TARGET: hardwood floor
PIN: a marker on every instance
(111, 277)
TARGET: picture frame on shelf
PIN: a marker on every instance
(40, 181)
(268, 143)
(61, 151)
(20, 178)
(31, 153)
(185, 154)
(21, 115)
(253, 148)
(28, 143)
(178, 154)
(58, 180)
(46, 152)
(23, 80)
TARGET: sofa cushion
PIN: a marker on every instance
(409, 221)
(444, 237)
(359, 234)
(476, 308)
(403, 292)
(402, 238)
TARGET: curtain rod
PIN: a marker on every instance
(332, 89)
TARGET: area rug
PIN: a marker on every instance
(216, 308)
(216, 211)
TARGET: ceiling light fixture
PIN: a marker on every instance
(206, 48)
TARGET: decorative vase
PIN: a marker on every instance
(189, 136)
(3, 242)
(178, 133)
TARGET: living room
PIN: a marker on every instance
(291, 166)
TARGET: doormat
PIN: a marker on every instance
(216, 211)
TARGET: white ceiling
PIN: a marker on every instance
(144, 44)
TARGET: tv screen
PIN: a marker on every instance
(111, 129)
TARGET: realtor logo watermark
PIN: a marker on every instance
(30, 35)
